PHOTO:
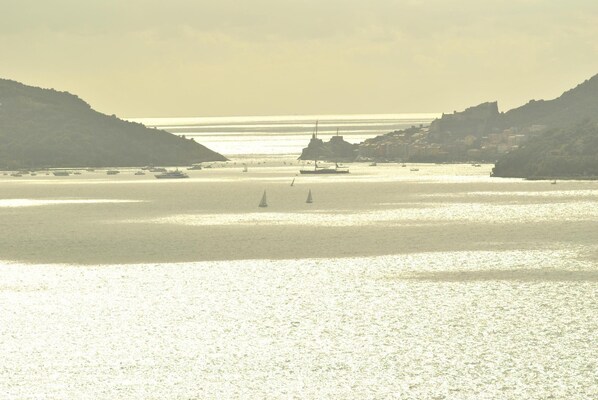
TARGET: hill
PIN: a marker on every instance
(47, 128)
(477, 121)
(335, 150)
(573, 106)
(536, 131)
(559, 153)
(570, 108)
(569, 147)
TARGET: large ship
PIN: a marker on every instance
(337, 169)
(319, 169)
(172, 175)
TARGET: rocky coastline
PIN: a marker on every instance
(550, 139)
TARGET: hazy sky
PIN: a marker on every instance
(139, 58)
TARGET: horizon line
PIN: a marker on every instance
(283, 117)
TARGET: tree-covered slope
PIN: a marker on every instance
(48, 128)
(570, 108)
(573, 106)
(559, 153)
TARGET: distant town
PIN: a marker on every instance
(419, 144)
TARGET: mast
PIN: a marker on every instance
(316, 156)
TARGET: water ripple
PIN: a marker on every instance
(410, 215)
(13, 203)
(315, 328)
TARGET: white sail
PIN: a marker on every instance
(309, 198)
(263, 202)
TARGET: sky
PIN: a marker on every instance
(176, 58)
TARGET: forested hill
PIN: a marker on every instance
(573, 106)
(569, 149)
(559, 153)
(47, 128)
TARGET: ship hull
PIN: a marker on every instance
(323, 171)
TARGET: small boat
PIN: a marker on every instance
(77, 173)
(553, 182)
(309, 198)
(112, 172)
(139, 173)
(263, 201)
(414, 169)
(245, 168)
(61, 173)
(159, 169)
(172, 175)
(194, 167)
(403, 165)
(16, 174)
(373, 164)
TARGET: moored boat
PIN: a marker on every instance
(176, 174)
(323, 170)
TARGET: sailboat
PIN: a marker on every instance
(264, 201)
(309, 198)
(323, 170)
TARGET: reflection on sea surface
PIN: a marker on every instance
(559, 194)
(12, 203)
(536, 275)
(483, 325)
(409, 214)
(441, 284)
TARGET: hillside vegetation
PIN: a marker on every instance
(545, 138)
(559, 153)
(572, 107)
(47, 128)
(569, 149)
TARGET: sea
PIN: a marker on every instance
(282, 135)
(423, 281)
